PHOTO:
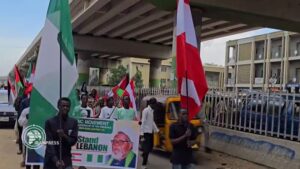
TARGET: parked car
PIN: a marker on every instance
(8, 115)
(271, 113)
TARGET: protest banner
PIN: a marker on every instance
(106, 143)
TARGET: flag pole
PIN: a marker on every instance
(187, 92)
(60, 95)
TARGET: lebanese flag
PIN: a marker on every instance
(120, 88)
(129, 91)
(192, 84)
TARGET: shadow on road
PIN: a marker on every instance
(6, 126)
(162, 154)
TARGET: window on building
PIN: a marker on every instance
(163, 68)
(279, 51)
(259, 53)
(297, 50)
(231, 53)
(162, 82)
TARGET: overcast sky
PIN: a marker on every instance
(21, 21)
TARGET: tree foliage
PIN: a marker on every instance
(138, 79)
(116, 75)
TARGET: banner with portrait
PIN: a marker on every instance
(106, 143)
(94, 77)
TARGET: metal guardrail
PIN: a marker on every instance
(269, 114)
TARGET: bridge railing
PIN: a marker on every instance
(263, 113)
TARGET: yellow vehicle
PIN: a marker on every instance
(165, 115)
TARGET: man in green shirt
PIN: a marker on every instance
(125, 113)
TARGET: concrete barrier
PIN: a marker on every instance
(268, 151)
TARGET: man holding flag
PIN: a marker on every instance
(125, 91)
(55, 78)
(192, 87)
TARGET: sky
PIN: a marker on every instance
(22, 20)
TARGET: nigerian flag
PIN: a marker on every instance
(56, 38)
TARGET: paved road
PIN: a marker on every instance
(10, 160)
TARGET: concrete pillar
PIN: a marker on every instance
(252, 69)
(155, 69)
(83, 69)
(268, 64)
(286, 58)
(226, 68)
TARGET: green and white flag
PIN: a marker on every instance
(56, 38)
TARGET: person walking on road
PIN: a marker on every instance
(68, 133)
(23, 122)
(148, 126)
(183, 135)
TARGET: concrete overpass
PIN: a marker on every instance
(112, 29)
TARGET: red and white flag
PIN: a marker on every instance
(118, 90)
(130, 92)
(192, 84)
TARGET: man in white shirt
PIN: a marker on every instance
(23, 121)
(148, 126)
(108, 111)
(86, 111)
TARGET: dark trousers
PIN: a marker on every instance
(20, 129)
(147, 147)
(34, 167)
(29, 166)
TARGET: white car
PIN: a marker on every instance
(8, 114)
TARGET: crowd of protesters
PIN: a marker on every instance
(92, 105)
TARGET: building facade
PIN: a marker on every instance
(263, 62)
(214, 73)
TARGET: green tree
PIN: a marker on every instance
(138, 79)
(116, 75)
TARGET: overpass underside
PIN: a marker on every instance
(110, 30)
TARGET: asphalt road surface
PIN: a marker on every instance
(214, 160)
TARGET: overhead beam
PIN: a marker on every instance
(115, 57)
(135, 24)
(232, 32)
(155, 33)
(121, 47)
(73, 3)
(120, 7)
(150, 26)
(256, 13)
(137, 11)
(212, 24)
(104, 56)
(223, 29)
(161, 39)
(85, 14)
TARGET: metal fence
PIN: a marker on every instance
(269, 114)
